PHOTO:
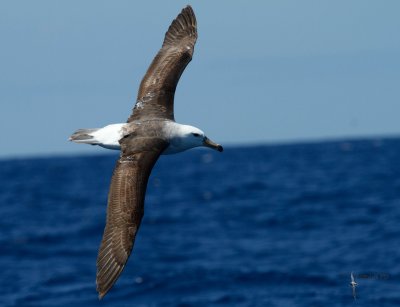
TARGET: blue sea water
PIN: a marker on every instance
(254, 226)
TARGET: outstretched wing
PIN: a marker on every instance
(156, 93)
(125, 207)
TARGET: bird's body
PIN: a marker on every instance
(178, 136)
(150, 131)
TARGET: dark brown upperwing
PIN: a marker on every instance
(156, 93)
(125, 207)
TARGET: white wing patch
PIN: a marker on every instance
(139, 105)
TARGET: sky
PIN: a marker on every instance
(262, 71)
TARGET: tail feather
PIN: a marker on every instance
(84, 136)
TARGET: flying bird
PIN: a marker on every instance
(150, 131)
(353, 285)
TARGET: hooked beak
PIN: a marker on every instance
(208, 143)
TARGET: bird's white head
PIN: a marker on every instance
(183, 137)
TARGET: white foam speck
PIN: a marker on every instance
(138, 280)
(207, 158)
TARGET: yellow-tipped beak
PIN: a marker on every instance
(208, 143)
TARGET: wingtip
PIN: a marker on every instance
(102, 289)
(187, 7)
(102, 293)
(184, 25)
(188, 10)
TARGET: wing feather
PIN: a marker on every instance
(156, 92)
(125, 208)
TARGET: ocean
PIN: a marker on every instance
(270, 225)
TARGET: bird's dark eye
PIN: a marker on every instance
(196, 134)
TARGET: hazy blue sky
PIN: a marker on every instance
(263, 71)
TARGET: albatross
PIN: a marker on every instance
(150, 131)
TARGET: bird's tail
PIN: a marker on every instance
(84, 136)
